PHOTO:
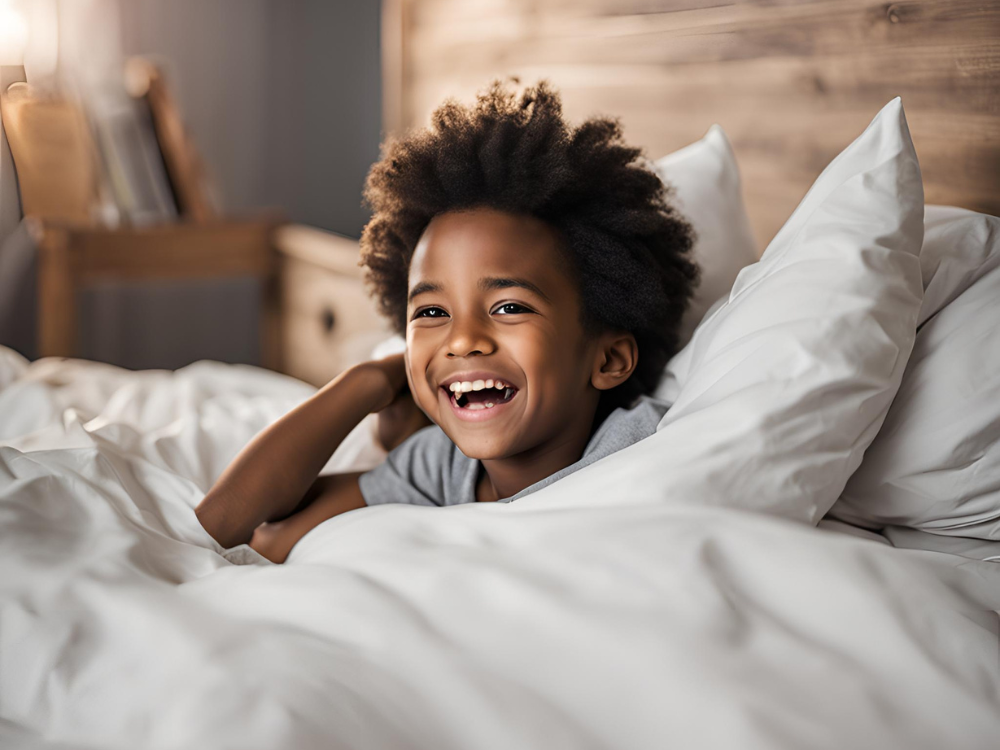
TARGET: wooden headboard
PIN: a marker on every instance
(792, 82)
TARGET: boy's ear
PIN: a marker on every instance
(617, 356)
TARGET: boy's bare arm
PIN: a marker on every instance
(332, 495)
(272, 474)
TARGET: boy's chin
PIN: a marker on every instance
(482, 450)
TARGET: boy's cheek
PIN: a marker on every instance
(424, 395)
(411, 360)
(426, 401)
(408, 369)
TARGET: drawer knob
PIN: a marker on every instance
(328, 319)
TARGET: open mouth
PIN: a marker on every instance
(486, 397)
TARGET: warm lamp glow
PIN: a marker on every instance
(13, 34)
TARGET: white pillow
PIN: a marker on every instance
(790, 378)
(935, 465)
(707, 182)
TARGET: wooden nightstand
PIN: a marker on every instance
(316, 318)
(327, 320)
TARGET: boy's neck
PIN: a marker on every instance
(505, 477)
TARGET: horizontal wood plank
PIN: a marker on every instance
(792, 83)
(185, 251)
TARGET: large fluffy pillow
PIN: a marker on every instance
(788, 381)
(708, 193)
(935, 465)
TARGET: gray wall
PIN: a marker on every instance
(283, 98)
(325, 102)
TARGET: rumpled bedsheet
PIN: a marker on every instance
(124, 625)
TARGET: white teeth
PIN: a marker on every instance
(464, 386)
(460, 386)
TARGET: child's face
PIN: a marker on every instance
(492, 297)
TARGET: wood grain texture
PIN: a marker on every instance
(183, 251)
(791, 82)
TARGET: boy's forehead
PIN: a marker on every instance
(485, 236)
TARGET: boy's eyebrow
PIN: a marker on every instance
(486, 284)
(422, 288)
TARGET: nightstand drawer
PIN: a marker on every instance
(328, 322)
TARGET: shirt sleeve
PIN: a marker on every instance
(426, 469)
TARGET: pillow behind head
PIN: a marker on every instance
(935, 465)
(708, 194)
(788, 381)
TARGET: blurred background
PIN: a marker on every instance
(282, 99)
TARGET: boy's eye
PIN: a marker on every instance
(511, 308)
(430, 312)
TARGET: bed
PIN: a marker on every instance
(805, 554)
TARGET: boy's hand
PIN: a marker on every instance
(398, 416)
(391, 373)
(398, 421)
(267, 541)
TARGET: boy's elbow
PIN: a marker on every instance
(212, 523)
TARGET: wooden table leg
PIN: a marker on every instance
(56, 296)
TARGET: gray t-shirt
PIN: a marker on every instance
(429, 469)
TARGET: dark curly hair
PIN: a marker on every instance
(515, 153)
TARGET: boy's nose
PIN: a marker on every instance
(469, 338)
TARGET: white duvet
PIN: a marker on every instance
(123, 624)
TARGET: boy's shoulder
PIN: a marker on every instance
(624, 426)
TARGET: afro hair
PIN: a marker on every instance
(514, 152)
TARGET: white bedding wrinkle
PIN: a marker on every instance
(122, 624)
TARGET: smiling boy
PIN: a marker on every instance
(539, 275)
